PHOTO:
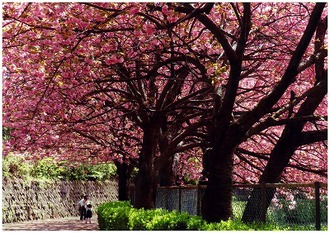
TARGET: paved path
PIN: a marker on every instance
(63, 224)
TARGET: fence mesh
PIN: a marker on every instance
(286, 205)
(189, 205)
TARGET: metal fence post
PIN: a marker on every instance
(317, 206)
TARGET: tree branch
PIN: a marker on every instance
(289, 76)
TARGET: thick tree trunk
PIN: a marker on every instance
(279, 159)
(123, 172)
(253, 211)
(147, 178)
(217, 200)
(166, 173)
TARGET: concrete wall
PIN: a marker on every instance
(31, 200)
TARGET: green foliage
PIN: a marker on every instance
(300, 216)
(226, 225)
(16, 166)
(6, 133)
(139, 218)
(122, 216)
(48, 168)
(238, 208)
(169, 221)
(113, 215)
(45, 169)
(302, 213)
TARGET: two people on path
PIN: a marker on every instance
(85, 209)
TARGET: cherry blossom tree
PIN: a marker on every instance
(147, 83)
(293, 135)
(240, 116)
(148, 89)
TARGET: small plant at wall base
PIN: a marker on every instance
(48, 168)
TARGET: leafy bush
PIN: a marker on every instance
(122, 216)
(48, 168)
(113, 215)
(139, 218)
(169, 221)
(195, 223)
(45, 169)
(16, 166)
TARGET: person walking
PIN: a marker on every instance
(82, 207)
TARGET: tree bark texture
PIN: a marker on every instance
(147, 178)
(217, 199)
(166, 173)
(123, 172)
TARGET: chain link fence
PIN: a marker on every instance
(278, 204)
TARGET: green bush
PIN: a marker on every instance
(122, 216)
(46, 169)
(226, 226)
(195, 223)
(169, 221)
(49, 169)
(113, 215)
(16, 166)
(139, 218)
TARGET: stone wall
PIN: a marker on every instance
(31, 200)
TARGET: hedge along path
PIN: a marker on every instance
(60, 224)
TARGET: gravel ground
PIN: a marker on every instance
(63, 224)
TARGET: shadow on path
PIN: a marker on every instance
(62, 224)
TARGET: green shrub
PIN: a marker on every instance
(122, 216)
(160, 219)
(166, 220)
(49, 169)
(195, 223)
(46, 169)
(113, 215)
(229, 225)
(16, 166)
(101, 171)
(139, 218)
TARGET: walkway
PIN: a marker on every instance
(63, 224)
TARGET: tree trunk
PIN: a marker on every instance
(166, 173)
(217, 200)
(279, 159)
(253, 211)
(147, 178)
(123, 172)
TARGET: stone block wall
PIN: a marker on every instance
(32, 200)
